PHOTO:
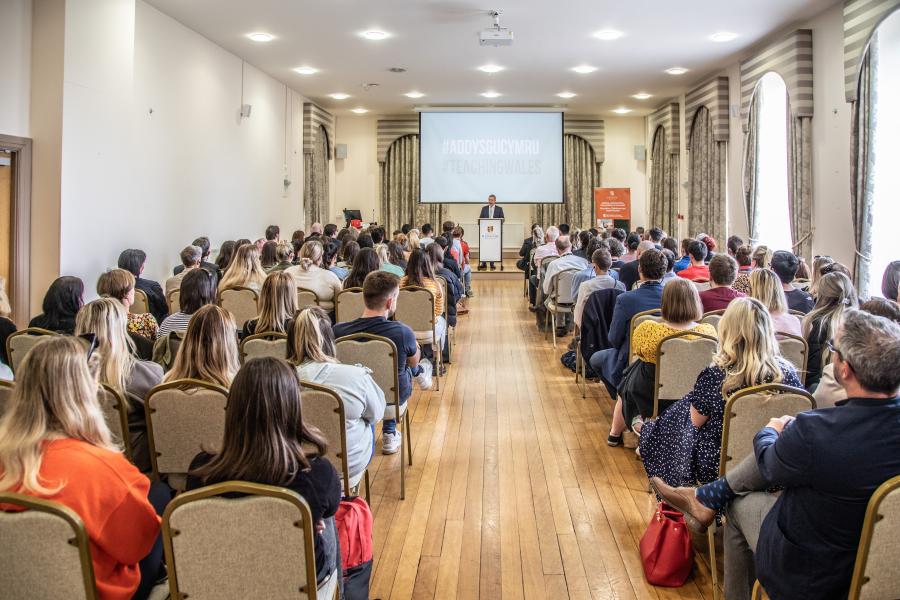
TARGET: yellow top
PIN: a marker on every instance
(435, 289)
(649, 334)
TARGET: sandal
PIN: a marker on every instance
(613, 440)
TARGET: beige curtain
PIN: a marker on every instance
(861, 165)
(663, 185)
(400, 188)
(315, 180)
(582, 176)
(800, 185)
(706, 208)
(751, 169)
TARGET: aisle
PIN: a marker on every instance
(513, 492)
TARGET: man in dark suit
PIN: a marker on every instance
(803, 543)
(491, 211)
(204, 245)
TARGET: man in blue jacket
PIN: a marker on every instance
(611, 362)
(802, 543)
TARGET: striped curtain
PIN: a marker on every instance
(663, 185)
(800, 185)
(400, 188)
(861, 165)
(315, 180)
(751, 170)
(706, 208)
(582, 176)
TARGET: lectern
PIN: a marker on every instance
(490, 241)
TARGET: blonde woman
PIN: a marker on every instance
(311, 349)
(244, 270)
(310, 274)
(118, 284)
(682, 445)
(384, 260)
(413, 240)
(681, 311)
(277, 305)
(7, 328)
(766, 287)
(760, 259)
(819, 263)
(209, 351)
(55, 444)
(836, 294)
(119, 368)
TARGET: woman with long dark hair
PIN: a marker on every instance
(61, 303)
(419, 273)
(366, 261)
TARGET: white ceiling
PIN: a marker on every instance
(437, 42)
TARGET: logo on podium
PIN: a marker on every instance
(490, 229)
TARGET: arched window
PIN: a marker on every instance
(885, 148)
(773, 209)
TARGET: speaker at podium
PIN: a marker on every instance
(490, 242)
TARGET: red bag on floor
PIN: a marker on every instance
(666, 551)
(354, 528)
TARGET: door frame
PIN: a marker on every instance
(20, 227)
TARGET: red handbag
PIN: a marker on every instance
(666, 550)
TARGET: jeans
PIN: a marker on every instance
(467, 277)
(151, 566)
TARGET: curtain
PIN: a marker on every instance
(751, 169)
(315, 180)
(400, 188)
(663, 185)
(861, 165)
(800, 185)
(706, 208)
(582, 175)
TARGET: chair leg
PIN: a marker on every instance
(438, 361)
(402, 460)
(553, 327)
(713, 568)
(368, 489)
(408, 430)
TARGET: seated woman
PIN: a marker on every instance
(209, 351)
(682, 445)
(226, 253)
(349, 250)
(384, 259)
(120, 368)
(118, 284)
(419, 273)
(267, 257)
(310, 274)
(311, 348)
(366, 262)
(330, 251)
(61, 303)
(266, 441)
(681, 310)
(7, 328)
(284, 254)
(244, 271)
(55, 445)
(760, 259)
(397, 255)
(835, 294)
(766, 287)
(277, 305)
(133, 261)
(198, 289)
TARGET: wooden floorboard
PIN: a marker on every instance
(513, 492)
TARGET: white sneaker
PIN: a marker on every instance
(424, 378)
(390, 442)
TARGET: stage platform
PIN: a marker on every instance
(509, 270)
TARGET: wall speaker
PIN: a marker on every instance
(640, 153)
(245, 110)
(340, 151)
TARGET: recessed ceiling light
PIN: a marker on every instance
(261, 36)
(642, 96)
(621, 110)
(491, 94)
(306, 70)
(723, 36)
(491, 68)
(584, 69)
(375, 35)
(413, 94)
(339, 96)
(676, 71)
(567, 95)
(360, 110)
(607, 35)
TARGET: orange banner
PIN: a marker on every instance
(612, 203)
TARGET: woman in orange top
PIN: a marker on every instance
(419, 273)
(55, 445)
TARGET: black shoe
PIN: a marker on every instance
(482, 266)
(493, 268)
(532, 308)
(614, 440)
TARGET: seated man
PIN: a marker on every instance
(628, 274)
(785, 265)
(133, 261)
(548, 248)
(588, 272)
(803, 542)
(698, 271)
(610, 362)
(204, 245)
(566, 261)
(685, 261)
(190, 259)
(722, 273)
(601, 281)
(380, 292)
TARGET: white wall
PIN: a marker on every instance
(356, 178)
(15, 67)
(621, 169)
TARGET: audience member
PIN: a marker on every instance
(890, 281)
(427, 236)
(330, 250)
(670, 266)
(419, 273)
(118, 284)
(397, 255)
(284, 257)
(209, 351)
(804, 540)
(722, 272)
(455, 292)
(529, 244)
(589, 272)
(7, 328)
(226, 253)
(459, 251)
(348, 254)
(366, 261)
(785, 265)
(744, 257)
(267, 258)
(329, 232)
(682, 446)
(685, 261)
(616, 250)
(315, 230)
(619, 234)
(55, 445)
(567, 261)
(365, 240)
(133, 260)
(266, 441)
(759, 260)
(204, 245)
(602, 280)
(628, 274)
(197, 290)
(766, 287)
(61, 303)
(697, 271)
(190, 260)
(120, 369)
(310, 275)
(378, 235)
(273, 233)
(631, 246)
(836, 296)
(733, 244)
(584, 238)
(384, 259)
(681, 311)
(311, 348)
(656, 236)
(670, 244)
(548, 248)
(564, 229)
(803, 271)
(277, 305)
(711, 245)
(244, 271)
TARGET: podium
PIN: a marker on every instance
(490, 241)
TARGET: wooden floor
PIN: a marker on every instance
(513, 492)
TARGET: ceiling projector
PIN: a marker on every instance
(496, 35)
